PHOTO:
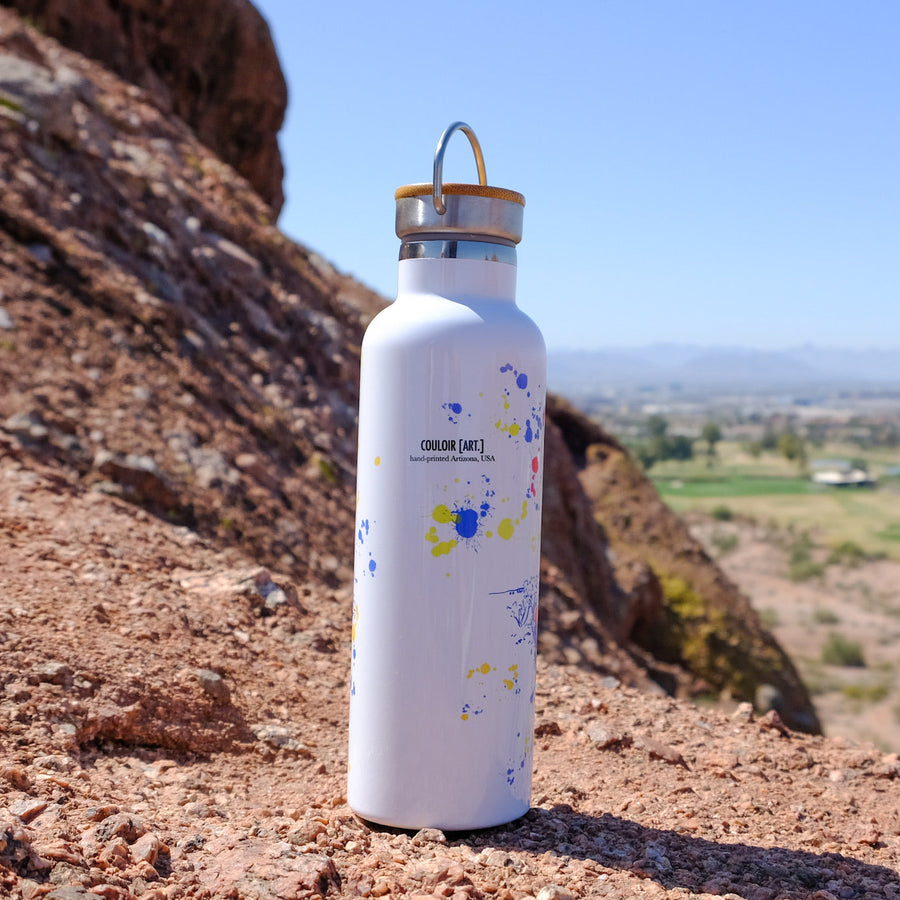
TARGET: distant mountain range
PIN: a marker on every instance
(733, 368)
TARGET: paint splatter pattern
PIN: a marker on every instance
(454, 412)
(486, 679)
(524, 610)
(470, 514)
(463, 522)
(365, 566)
(521, 419)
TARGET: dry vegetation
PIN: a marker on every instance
(835, 611)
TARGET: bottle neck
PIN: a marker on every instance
(458, 270)
(436, 247)
(458, 279)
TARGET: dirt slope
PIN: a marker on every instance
(172, 724)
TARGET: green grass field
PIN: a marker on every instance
(771, 490)
(733, 486)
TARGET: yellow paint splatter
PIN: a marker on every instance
(489, 534)
(509, 684)
(484, 668)
(514, 429)
(431, 535)
(377, 460)
(465, 717)
(505, 529)
(443, 515)
(443, 548)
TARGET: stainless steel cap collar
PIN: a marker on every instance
(464, 211)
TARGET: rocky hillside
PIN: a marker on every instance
(212, 63)
(178, 387)
(167, 345)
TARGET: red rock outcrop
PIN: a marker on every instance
(676, 603)
(210, 62)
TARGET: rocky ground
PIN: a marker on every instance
(173, 724)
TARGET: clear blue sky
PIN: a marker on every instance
(696, 172)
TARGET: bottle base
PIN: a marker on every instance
(417, 823)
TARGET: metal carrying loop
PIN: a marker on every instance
(438, 182)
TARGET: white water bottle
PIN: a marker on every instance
(450, 468)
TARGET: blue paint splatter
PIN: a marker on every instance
(466, 522)
(364, 526)
(372, 566)
(454, 410)
(529, 434)
(538, 421)
(522, 381)
(507, 368)
(485, 509)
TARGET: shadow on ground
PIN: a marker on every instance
(679, 861)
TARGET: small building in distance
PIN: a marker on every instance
(843, 478)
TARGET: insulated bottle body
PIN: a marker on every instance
(447, 551)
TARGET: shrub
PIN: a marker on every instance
(725, 543)
(801, 565)
(722, 513)
(681, 597)
(825, 616)
(847, 553)
(754, 448)
(866, 693)
(791, 447)
(838, 651)
(803, 571)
